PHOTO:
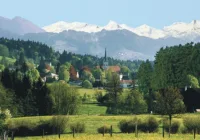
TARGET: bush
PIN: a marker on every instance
(191, 123)
(99, 96)
(24, 131)
(59, 123)
(25, 128)
(78, 127)
(150, 125)
(104, 129)
(174, 126)
(87, 84)
(128, 126)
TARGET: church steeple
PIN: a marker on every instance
(105, 62)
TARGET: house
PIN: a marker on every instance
(49, 77)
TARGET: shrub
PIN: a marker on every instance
(150, 125)
(174, 126)
(2, 122)
(191, 123)
(24, 131)
(59, 123)
(128, 126)
(99, 96)
(25, 128)
(78, 127)
(104, 129)
(87, 84)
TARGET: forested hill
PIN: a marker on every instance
(33, 51)
(176, 66)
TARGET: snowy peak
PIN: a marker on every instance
(147, 31)
(183, 30)
(178, 30)
(112, 25)
(77, 26)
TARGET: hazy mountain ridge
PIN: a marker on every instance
(121, 44)
(19, 25)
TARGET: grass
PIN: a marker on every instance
(141, 136)
(92, 122)
(92, 109)
(90, 92)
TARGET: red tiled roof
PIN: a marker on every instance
(126, 81)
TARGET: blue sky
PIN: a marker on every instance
(156, 13)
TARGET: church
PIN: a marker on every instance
(106, 66)
(124, 79)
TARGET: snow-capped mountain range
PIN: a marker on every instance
(121, 40)
(176, 30)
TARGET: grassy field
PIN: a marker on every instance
(90, 92)
(92, 122)
(93, 116)
(92, 109)
(141, 136)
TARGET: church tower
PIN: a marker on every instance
(105, 62)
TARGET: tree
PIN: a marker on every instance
(4, 61)
(59, 123)
(34, 74)
(66, 99)
(86, 84)
(99, 74)
(2, 67)
(21, 58)
(4, 51)
(3, 131)
(125, 70)
(64, 73)
(7, 99)
(144, 76)
(87, 75)
(114, 89)
(192, 81)
(169, 102)
(73, 73)
(135, 103)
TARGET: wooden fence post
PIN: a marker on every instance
(42, 133)
(73, 132)
(12, 137)
(194, 133)
(59, 133)
(136, 131)
(111, 130)
(103, 130)
(163, 129)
